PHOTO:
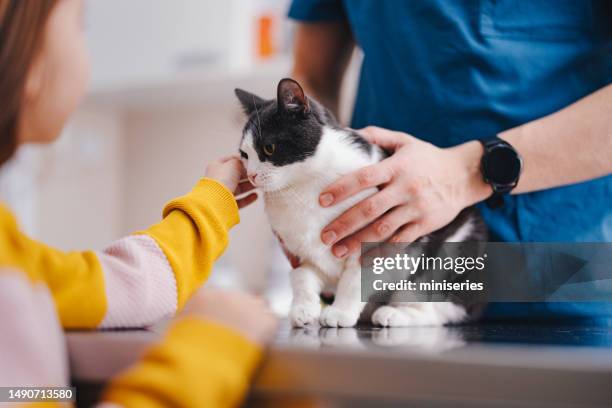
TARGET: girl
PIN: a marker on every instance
(210, 351)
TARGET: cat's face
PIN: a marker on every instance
(280, 136)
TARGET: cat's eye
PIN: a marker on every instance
(244, 155)
(269, 149)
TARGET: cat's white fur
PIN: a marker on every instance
(291, 194)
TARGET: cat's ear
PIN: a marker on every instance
(249, 101)
(291, 97)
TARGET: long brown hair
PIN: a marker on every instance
(22, 24)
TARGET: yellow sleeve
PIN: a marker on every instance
(74, 279)
(192, 235)
(198, 364)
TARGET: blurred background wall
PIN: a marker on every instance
(159, 107)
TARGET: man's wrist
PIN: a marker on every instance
(469, 156)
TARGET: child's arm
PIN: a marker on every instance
(141, 278)
(32, 345)
(206, 359)
(198, 364)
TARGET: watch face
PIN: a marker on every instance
(502, 165)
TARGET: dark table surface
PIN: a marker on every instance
(536, 334)
(473, 365)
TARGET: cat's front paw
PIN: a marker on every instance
(333, 316)
(419, 314)
(303, 314)
(389, 316)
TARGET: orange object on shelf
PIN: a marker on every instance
(266, 46)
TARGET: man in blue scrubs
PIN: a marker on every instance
(531, 77)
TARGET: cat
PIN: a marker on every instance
(292, 148)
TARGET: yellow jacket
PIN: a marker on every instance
(135, 282)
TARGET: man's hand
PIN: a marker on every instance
(422, 188)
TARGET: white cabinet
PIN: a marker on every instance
(141, 43)
(145, 41)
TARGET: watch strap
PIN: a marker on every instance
(495, 200)
(490, 142)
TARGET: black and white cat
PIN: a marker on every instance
(292, 148)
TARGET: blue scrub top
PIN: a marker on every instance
(450, 71)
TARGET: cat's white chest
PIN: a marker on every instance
(299, 220)
(294, 211)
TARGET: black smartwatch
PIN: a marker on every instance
(501, 167)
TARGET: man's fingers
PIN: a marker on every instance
(408, 233)
(243, 202)
(378, 231)
(350, 184)
(360, 215)
(387, 139)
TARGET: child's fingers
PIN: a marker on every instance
(244, 187)
(225, 159)
(243, 202)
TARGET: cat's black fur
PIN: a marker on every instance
(359, 140)
(293, 123)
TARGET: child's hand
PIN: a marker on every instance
(247, 314)
(229, 171)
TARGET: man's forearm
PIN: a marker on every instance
(328, 95)
(566, 147)
(321, 55)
